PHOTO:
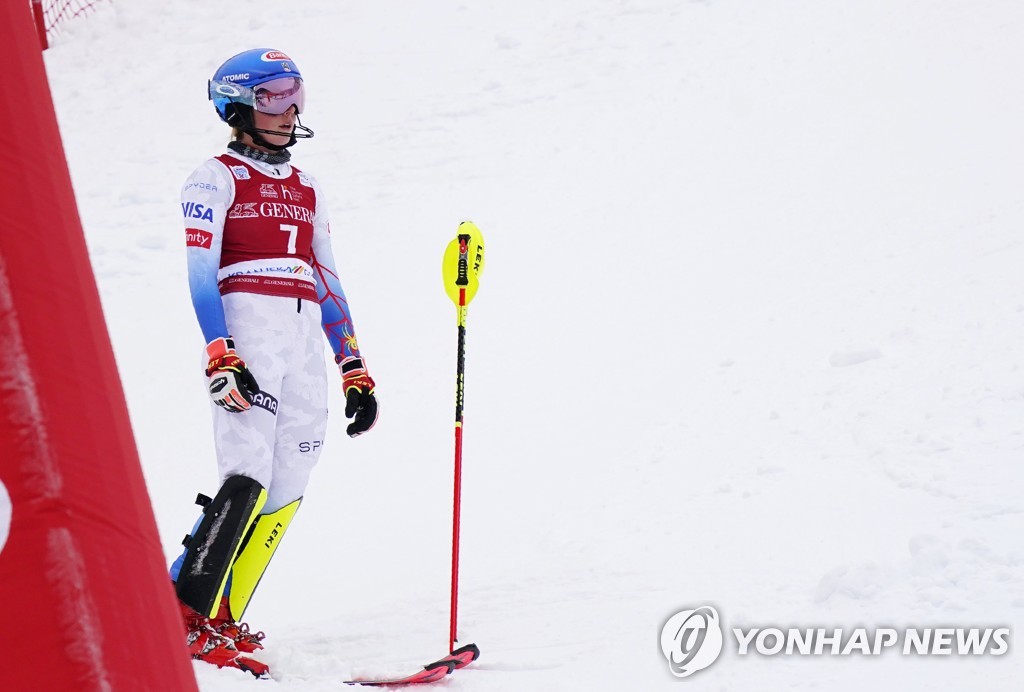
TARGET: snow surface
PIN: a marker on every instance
(749, 335)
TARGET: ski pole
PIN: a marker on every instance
(463, 263)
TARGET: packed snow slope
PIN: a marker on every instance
(750, 332)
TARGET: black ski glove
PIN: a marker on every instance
(360, 401)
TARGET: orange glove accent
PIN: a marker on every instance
(232, 386)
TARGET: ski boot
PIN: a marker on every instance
(238, 632)
(206, 644)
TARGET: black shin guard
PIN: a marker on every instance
(212, 549)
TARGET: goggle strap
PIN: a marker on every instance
(229, 91)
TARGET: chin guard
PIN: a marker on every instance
(300, 131)
(241, 116)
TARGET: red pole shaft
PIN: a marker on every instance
(455, 535)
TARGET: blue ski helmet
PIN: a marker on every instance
(264, 80)
(238, 79)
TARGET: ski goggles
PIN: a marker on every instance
(274, 97)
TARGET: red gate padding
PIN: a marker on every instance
(85, 600)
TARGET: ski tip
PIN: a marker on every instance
(430, 673)
(464, 655)
(468, 648)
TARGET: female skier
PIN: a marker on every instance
(263, 283)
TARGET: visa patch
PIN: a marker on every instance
(192, 210)
(240, 172)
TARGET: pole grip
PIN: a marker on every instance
(463, 273)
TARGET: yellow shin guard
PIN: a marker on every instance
(254, 555)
